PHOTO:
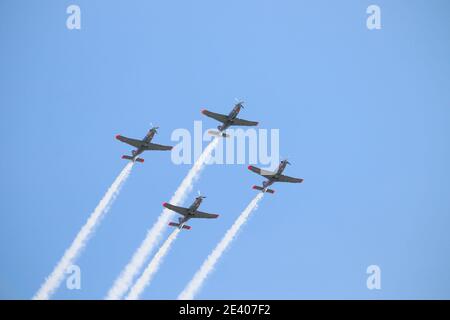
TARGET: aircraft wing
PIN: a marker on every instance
(261, 172)
(242, 122)
(204, 215)
(180, 210)
(284, 178)
(155, 146)
(217, 116)
(132, 142)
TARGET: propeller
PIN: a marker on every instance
(154, 128)
(200, 195)
(239, 102)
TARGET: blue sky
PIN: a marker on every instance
(363, 116)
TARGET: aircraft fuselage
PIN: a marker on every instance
(147, 139)
(275, 177)
(231, 116)
(194, 206)
(192, 209)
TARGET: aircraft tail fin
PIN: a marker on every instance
(131, 158)
(263, 189)
(218, 134)
(173, 224)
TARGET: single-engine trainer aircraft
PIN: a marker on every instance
(228, 120)
(189, 213)
(273, 177)
(142, 145)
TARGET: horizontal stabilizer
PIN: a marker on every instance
(263, 189)
(218, 134)
(173, 224)
(127, 157)
(131, 158)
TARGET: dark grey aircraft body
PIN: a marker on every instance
(142, 145)
(189, 213)
(273, 177)
(230, 119)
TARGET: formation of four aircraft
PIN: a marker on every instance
(227, 120)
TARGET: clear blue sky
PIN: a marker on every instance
(364, 117)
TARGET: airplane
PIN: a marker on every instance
(189, 213)
(228, 120)
(142, 145)
(273, 177)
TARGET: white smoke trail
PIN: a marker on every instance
(57, 276)
(197, 281)
(144, 280)
(125, 279)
